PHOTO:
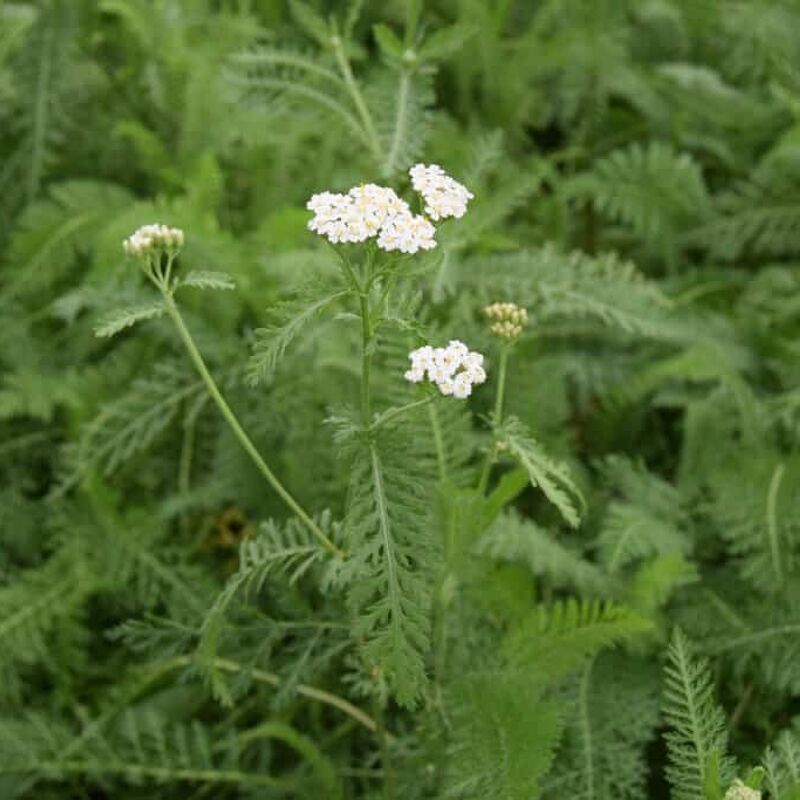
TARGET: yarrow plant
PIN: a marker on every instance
(343, 551)
(367, 213)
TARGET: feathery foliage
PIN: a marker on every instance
(245, 552)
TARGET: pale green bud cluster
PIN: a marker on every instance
(152, 240)
(738, 791)
(508, 320)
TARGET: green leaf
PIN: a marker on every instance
(447, 41)
(391, 47)
(504, 736)
(557, 639)
(552, 477)
(122, 318)
(522, 541)
(697, 741)
(203, 279)
(391, 558)
(293, 318)
(310, 21)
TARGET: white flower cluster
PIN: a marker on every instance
(407, 233)
(153, 239)
(444, 196)
(372, 210)
(455, 369)
(357, 215)
(738, 791)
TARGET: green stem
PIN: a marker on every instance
(185, 466)
(438, 441)
(497, 417)
(238, 431)
(398, 411)
(356, 96)
(366, 361)
(389, 784)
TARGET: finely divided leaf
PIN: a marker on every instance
(698, 735)
(388, 536)
(122, 318)
(552, 477)
(203, 279)
(271, 343)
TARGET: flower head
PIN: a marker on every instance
(376, 205)
(407, 233)
(369, 210)
(337, 218)
(444, 196)
(738, 791)
(153, 240)
(454, 369)
(508, 320)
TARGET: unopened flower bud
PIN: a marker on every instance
(150, 240)
(738, 791)
(508, 320)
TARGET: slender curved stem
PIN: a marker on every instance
(441, 460)
(239, 432)
(393, 413)
(366, 343)
(389, 783)
(366, 361)
(357, 98)
(497, 417)
(271, 679)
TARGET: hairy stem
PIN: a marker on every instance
(497, 417)
(366, 360)
(586, 729)
(772, 523)
(353, 89)
(399, 411)
(438, 441)
(185, 465)
(238, 431)
(389, 784)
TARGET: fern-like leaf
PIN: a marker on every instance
(205, 279)
(505, 736)
(130, 424)
(271, 343)
(138, 748)
(522, 541)
(550, 476)
(698, 736)
(556, 639)
(288, 550)
(387, 533)
(116, 321)
(653, 190)
(782, 762)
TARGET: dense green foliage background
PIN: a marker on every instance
(636, 171)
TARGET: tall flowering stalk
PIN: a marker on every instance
(156, 248)
(379, 218)
(506, 323)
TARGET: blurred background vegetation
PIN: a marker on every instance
(594, 133)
